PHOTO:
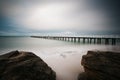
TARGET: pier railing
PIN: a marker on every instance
(83, 39)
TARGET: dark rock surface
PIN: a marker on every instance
(82, 76)
(101, 65)
(17, 65)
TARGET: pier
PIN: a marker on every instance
(84, 40)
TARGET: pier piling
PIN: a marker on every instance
(90, 40)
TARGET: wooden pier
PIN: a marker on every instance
(88, 40)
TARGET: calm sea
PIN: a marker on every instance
(63, 57)
(29, 43)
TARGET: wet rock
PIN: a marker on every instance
(101, 65)
(17, 65)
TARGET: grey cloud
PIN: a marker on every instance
(70, 15)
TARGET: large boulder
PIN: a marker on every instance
(17, 65)
(101, 65)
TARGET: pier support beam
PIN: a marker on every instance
(79, 40)
(106, 41)
(87, 40)
(74, 39)
(84, 40)
(98, 41)
(113, 41)
(90, 40)
(94, 40)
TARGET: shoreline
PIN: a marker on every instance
(66, 66)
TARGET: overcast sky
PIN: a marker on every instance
(34, 17)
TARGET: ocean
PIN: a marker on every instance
(62, 56)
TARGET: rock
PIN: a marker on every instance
(82, 76)
(17, 65)
(101, 65)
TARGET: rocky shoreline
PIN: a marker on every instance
(19, 65)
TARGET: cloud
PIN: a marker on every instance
(56, 15)
(111, 9)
